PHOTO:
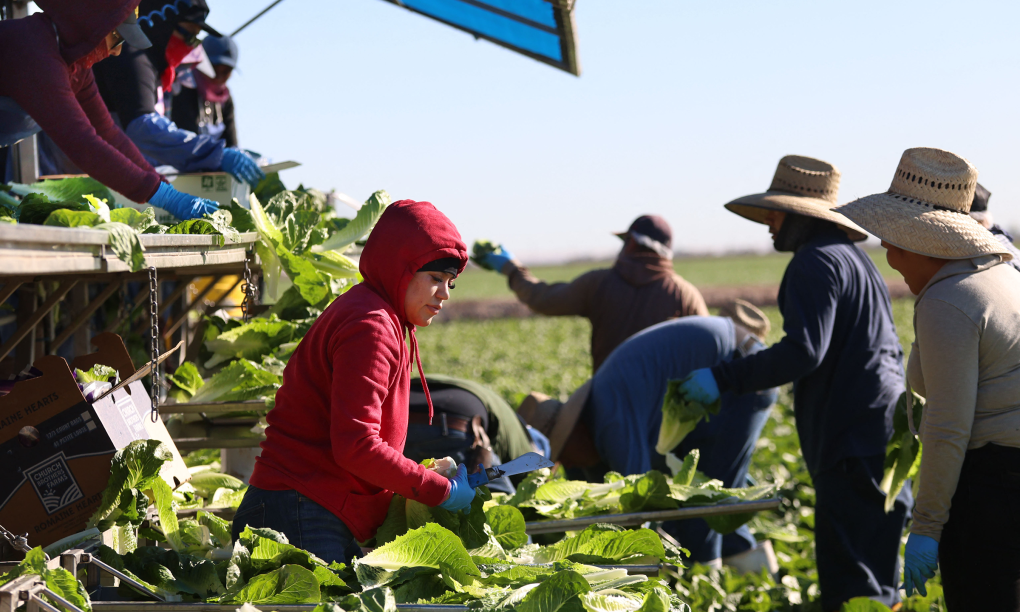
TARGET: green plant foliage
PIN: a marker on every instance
(133, 469)
(903, 453)
(73, 218)
(679, 417)
(125, 244)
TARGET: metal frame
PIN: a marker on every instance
(639, 518)
(563, 12)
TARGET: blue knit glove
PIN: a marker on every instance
(700, 386)
(461, 493)
(920, 560)
(237, 163)
(184, 206)
(496, 261)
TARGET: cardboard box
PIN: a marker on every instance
(57, 447)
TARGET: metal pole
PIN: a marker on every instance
(252, 20)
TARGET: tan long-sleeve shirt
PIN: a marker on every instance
(639, 291)
(966, 362)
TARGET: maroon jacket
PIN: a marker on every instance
(46, 67)
(337, 432)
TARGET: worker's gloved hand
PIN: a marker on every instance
(920, 559)
(461, 493)
(700, 386)
(497, 259)
(237, 163)
(184, 206)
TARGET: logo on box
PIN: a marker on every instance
(207, 182)
(54, 483)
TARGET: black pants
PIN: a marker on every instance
(856, 542)
(979, 553)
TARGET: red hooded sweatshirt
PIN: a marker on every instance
(337, 432)
(46, 67)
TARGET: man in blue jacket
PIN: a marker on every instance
(612, 422)
(844, 358)
(131, 85)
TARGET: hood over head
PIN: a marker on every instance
(83, 25)
(408, 235)
(642, 268)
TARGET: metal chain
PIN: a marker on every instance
(154, 345)
(250, 288)
(19, 542)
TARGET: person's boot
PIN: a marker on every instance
(752, 561)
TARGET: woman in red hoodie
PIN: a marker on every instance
(333, 455)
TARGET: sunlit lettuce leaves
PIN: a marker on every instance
(605, 544)
(679, 417)
(140, 221)
(252, 340)
(420, 551)
(241, 380)
(186, 381)
(58, 580)
(508, 526)
(125, 244)
(133, 469)
(903, 453)
(73, 218)
(368, 215)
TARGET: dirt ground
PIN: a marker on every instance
(759, 295)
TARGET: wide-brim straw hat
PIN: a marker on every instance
(554, 418)
(803, 186)
(747, 315)
(926, 209)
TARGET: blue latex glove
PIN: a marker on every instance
(461, 493)
(920, 559)
(237, 163)
(700, 386)
(184, 206)
(496, 261)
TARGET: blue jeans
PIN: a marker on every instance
(429, 442)
(306, 524)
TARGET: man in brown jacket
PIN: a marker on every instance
(640, 290)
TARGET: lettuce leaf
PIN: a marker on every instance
(133, 468)
(368, 215)
(679, 417)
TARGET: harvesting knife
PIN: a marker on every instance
(525, 463)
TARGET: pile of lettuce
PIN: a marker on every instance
(482, 559)
(84, 202)
(543, 495)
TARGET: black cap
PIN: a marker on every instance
(653, 232)
(450, 265)
(981, 195)
(196, 11)
(132, 32)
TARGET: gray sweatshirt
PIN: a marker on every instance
(966, 362)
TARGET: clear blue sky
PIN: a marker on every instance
(681, 106)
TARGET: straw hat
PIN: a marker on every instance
(747, 315)
(801, 185)
(926, 208)
(554, 418)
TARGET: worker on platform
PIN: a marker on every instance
(964, 362)
(640, 290)
(471, 424)
(135, 84)
(843, 356)
(612, 422)
(46, 83)
(203, 104)
(332, 458)
(979, 212)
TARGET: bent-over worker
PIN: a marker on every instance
(844, 358)
(332, 458)
(964, 362)
(46, 82)
(471, 424)
(640, 290)
(612, 422)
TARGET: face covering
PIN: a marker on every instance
(84, 63)
(797, 230)
(176, 51)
